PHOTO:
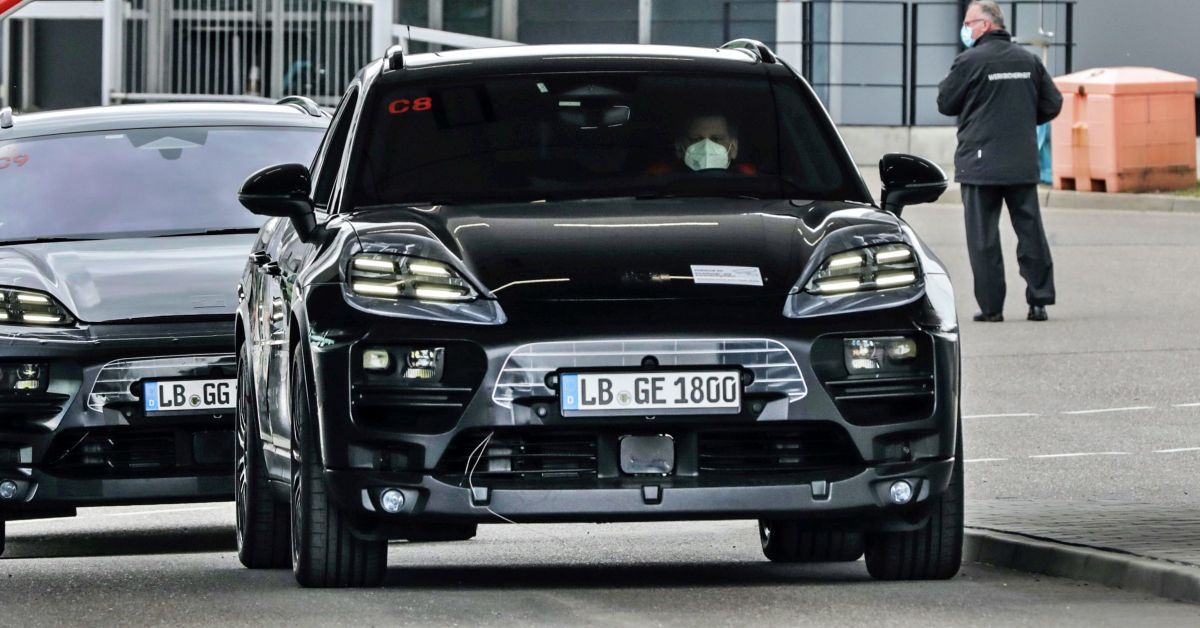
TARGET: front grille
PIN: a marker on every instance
(31, 406)
(521, 456)
(774, 367)
(761, 451)
(877, 401)
(416, 409)
(131, 452)
(115, 382)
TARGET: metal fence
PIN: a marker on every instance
(242, 49)
(894, 61)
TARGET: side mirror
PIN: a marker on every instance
(281, 190)
(909, 180)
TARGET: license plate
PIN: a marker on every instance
(649, 393)
(190, 395)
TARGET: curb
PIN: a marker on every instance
(1106, 567)
(1063, 199)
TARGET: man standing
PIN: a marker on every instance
(1000, 93)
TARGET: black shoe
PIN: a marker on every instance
(1038, 313)
(983, 317)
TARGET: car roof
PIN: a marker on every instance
(117, 117)
(631, 52)
(568, 57)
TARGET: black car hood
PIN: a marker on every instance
(133, 278)
(623, 249)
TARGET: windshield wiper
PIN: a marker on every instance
(51, 240)
(232, 230)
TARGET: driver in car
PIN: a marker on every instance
(707, 142)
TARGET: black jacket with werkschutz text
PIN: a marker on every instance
(1000, 93)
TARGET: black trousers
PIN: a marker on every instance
(982, 204)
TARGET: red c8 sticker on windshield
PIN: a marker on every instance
(15, 160)
(405, 105)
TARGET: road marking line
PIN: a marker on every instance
(159, 512)
(1000, 416)
(986, 460)
(1100, 410)
(1187, 405)
(1174, 451)
(47, 520)
(1093, 453)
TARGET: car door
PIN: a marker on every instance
(290, 259)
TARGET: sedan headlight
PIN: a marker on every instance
(866, 269)
(30, 307)
(404, 277)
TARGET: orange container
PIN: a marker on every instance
(1125, 130)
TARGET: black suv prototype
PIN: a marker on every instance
(591, 284)
(121, 240)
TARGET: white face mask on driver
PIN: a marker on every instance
(706, 155)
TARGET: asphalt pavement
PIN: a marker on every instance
(176, 566)
(1086, 426)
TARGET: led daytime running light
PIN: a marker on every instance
(399, 276)
(28, 307)
(878, 267)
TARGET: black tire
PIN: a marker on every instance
(790, 541)
(325, 552)
(441, 532)
(263, 537)
(932, 552)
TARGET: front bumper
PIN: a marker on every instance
(828, 448)
(863, 495)
(85, 441)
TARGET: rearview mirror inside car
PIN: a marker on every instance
(281, 190)
(909, 180)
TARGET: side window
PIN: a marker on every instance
(331, 156)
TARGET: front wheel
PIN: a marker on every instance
(262, 521)
(931, 552)
(325, 552)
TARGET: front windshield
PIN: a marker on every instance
(591, 135)
(138, 181)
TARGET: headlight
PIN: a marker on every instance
(404, 277)
(870, 268)
(30, 307)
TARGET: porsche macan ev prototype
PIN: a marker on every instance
(121, 240)
(592, 284)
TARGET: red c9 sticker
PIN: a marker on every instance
(404, 105)
(15, 160)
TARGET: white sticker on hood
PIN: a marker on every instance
(728, 275)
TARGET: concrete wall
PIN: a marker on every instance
(868, 143)
(1154, 33)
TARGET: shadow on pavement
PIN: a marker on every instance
(76, 544)
(676, 575)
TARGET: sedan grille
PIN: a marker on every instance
(115, 382)
(521, 456)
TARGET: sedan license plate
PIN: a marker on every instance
(191, 395)
(650, 393)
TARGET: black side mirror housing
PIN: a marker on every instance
(909, 180)
(282, 190)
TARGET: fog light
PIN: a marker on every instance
(376, 360)
(425, 364)
(876, 355)
(392, 501)
(23, 376)
(901, 492)
(8, 489)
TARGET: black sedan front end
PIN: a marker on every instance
(120, 247)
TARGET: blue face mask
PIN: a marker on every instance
(965, 36)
